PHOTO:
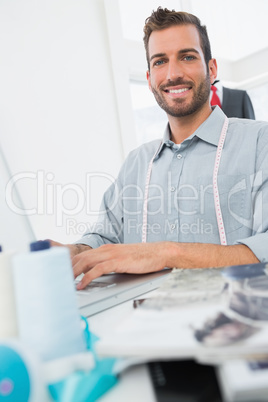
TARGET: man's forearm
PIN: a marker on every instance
(141, 258)
(194, 255)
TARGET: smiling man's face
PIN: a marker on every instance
(179, 77)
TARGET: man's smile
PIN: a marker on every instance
(177, 91)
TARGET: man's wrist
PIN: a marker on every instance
(79, 248)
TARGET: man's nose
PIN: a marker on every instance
(174, 71)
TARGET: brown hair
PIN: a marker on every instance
(163, 18)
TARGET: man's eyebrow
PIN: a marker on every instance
(182, 51)
(154, 56)
(188, 50)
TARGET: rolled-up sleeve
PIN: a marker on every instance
(258, 242)
(258, 245)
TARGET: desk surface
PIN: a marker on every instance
(134, 384)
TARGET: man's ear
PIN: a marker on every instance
(148, 79)
(213, 70)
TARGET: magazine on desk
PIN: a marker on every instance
(211, 315)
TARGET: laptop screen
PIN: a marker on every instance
(15, 229)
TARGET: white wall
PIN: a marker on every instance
(60, 122)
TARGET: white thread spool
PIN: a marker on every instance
(8, 321)
(48, 316)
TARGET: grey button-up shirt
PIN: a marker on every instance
(180, 197)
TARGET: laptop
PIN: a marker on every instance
(112, 289)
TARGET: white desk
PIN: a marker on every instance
(134, 384)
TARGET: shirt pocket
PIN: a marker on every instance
(233, 190)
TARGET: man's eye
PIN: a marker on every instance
(158, 62)
(189, 58)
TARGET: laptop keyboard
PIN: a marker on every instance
(94, 287)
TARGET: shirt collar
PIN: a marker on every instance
(209, 131)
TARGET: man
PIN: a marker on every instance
(194, 200)
(234, 102)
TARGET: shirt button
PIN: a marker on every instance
(172, 188)
(179, 156)
(172, 227)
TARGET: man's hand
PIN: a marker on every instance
(129, 258)
(141, 258)
(150, 257)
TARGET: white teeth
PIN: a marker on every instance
(177, 91)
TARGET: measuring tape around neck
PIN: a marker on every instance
(146, 191)
(215, 184)
(220, 223)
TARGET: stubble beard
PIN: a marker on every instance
(179, 108)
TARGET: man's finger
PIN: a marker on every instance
(94, 273)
